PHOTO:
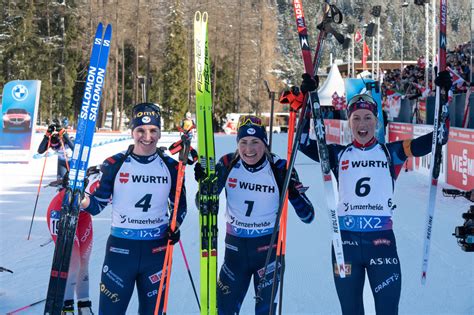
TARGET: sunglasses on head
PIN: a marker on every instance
(361, 98)
(249, 120)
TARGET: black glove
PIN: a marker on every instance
(444, 80)
(295, 187)
(309, 84)
(173, 236)
(65, 181)
(199, 172)
(51, 129)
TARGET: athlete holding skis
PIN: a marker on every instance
(366, 172)
(252, 178)
(141, 184)
(78, 277)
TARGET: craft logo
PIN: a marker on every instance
(232, 182)
(124, 177)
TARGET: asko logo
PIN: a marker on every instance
(463, 164)
(124, 177)
(345, 165)
(232, 182)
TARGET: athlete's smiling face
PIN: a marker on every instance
(363, 123)
(145, 137)
(251, 149)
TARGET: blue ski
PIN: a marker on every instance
(80, 159)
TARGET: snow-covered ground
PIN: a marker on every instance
(309, 287)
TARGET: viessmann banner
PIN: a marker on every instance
(18, 109)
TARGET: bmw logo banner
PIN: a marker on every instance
(19, 106)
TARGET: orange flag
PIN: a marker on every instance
(365, 54)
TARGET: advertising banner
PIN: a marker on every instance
(401, 131)
(333, 131)
(422, 164)
(460, 158)
(19, 107)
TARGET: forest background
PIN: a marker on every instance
(250, 41)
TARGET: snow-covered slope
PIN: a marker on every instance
(309, 287)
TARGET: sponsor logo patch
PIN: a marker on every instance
(387, 282)
(345, 165)
(119, 251)
(382, 241)
(156, 277)
(123, 178)
(114, 297)
(232, 182)
(348, 269)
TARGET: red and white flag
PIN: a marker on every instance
(357, 37)
(424, 91)
(458, 81)
(339, 102)
(393, 103)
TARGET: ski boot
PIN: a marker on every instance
(68, 308)
(84, 308)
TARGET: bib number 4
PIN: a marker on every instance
(144, 203)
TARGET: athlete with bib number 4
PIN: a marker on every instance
(140, 184)
(366, 172)
(252, 178)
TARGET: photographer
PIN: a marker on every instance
(464, 233)
(57, 139)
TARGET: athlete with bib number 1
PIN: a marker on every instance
(366, 172)
(252, 178)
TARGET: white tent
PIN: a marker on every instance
(333, 83)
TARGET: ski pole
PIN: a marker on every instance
(3, 269)
(189, 273)
(26, 307)
(64, 152)
(167, 264)
(39, 188)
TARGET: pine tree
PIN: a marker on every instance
(224, 89)
(174, 79)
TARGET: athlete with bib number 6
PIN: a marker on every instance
(366, 172)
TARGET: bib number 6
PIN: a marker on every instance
(362, 188)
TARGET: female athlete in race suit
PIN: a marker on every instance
(252, 178)
(141, 184)
(78, 279)
(366, 172)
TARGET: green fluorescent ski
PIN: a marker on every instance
(208, 198)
